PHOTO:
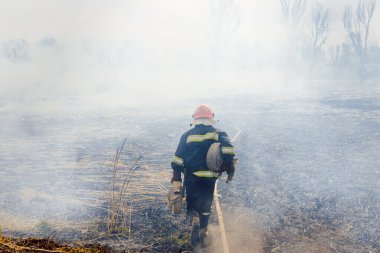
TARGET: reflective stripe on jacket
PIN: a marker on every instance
(192, 150)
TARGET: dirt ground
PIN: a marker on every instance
(9, 245)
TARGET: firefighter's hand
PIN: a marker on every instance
(174, 197)
(230, 169)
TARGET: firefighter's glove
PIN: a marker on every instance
(230, 170)
(175, 197)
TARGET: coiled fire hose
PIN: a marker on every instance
(214, 157)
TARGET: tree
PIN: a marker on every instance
(293, 11)
(225, 18)
(16, 51)
(357, 28)
(320, 28)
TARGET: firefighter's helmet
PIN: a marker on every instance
(203, 112)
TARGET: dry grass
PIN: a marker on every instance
(309, 198)
(8, 245)
(120, 208)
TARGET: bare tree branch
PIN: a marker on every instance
(357, 27)
(285, 8)
(225, 17)
(293, 11)
(320, 27)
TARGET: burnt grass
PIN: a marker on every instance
(307, 180)
(9, 245)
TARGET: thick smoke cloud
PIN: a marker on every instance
(111, 54)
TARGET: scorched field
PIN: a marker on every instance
(308, 177)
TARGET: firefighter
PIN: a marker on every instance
(199, 180)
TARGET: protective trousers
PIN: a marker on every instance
(199, 196)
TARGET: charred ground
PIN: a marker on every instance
(307, 178)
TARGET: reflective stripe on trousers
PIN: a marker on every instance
(206, 173)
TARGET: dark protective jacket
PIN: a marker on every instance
(192, 151)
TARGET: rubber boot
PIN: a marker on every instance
(203, 220)
(195, 227)
(203, 238)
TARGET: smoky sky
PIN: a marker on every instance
(125, 52)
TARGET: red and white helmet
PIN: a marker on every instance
(203, 112)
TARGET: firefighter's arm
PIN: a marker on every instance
(228, 153)
(177, 162)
